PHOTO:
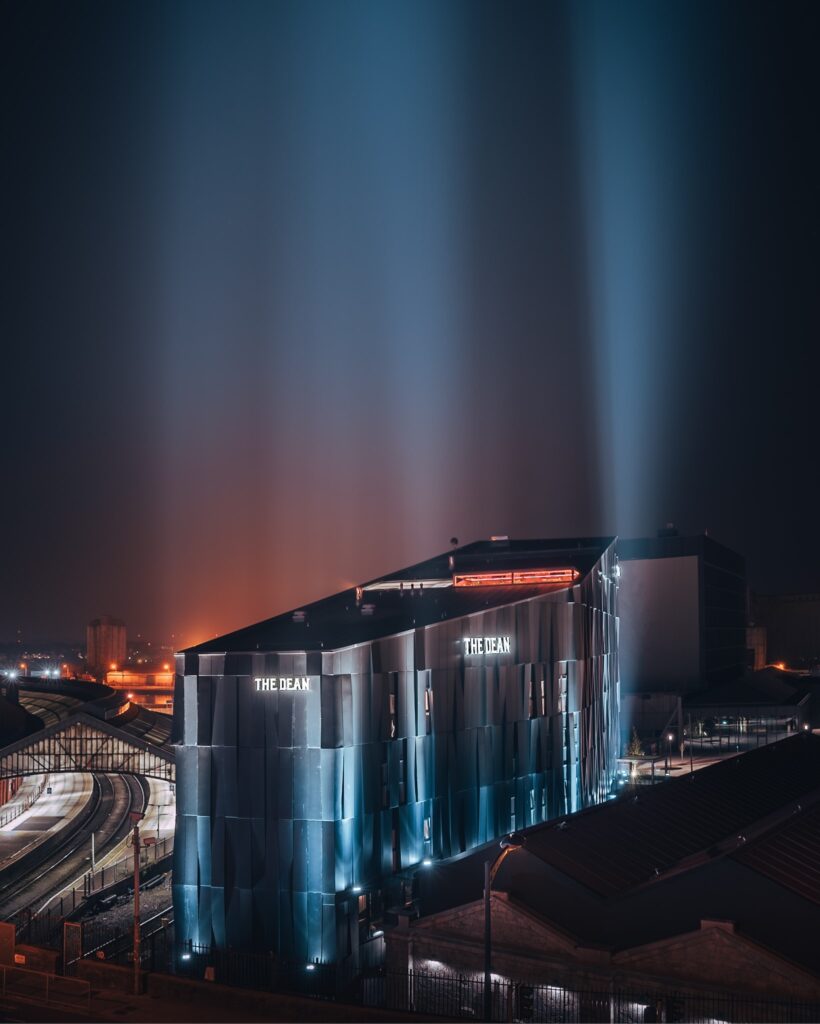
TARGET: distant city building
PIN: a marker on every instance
(152, 689)
(792, 624)
(106, 644)
(328, 756)
(756, 644)
(682, 605)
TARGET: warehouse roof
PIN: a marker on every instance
(633, 841)
(419, 595)
(737, 841)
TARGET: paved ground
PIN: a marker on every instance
(50, 813)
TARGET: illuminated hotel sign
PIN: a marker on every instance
(487, 644)
(282, 682)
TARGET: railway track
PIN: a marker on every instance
(114, 946)
(28, 884)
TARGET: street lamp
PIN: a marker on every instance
(508, 845)
(136, 817)
(669, 738)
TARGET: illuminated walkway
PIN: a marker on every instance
(49, 814)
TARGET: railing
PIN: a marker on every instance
(23, 805)
(96, 882)
(460, 996)
(110, 942)
(39, 987)
(44, 925)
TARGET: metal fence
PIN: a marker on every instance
(44, 927)
(461, 996)
(21, 806)
(40, 987)
(110, 942)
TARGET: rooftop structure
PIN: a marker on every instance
(683, 610)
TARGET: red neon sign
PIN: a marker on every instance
(519, 577)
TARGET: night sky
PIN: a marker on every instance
(295, 292)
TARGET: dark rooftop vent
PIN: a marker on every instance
(670, 530)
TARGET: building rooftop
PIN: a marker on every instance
(675, 545)
(769, 687)
(421, 595)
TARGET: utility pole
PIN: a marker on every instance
(508, 845)
(691, 756)
(136, 817)
(488, 999)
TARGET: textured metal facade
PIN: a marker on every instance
(400, 749)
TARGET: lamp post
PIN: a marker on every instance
(136, 818)
(691, 755)
(669, 738)
(508, 845)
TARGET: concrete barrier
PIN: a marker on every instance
(99, 974)
(275, 1006)
(37, 958)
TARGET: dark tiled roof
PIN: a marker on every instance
(337, 621)
(614, 848)
(790, 855)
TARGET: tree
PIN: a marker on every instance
(634, 747)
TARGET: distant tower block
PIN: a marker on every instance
(105, 641)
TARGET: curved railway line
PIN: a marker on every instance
(30, 882)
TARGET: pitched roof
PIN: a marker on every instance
(615, 847)
(790, 855)
(738, 841)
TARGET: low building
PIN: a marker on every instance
(762, 707)
(152, 689)
(792, 623)
(707, 882)
(756, 645)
